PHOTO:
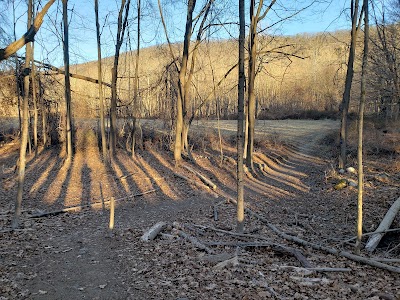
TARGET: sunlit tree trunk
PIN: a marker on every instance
(34, 100)
(251, 110)
(344, 107)
(179, 128)
(136, 83)
(24, 129)
(360, 128)
(122, 23)
(240, 129)
(100, 79)
(69, 128)
(255, 17)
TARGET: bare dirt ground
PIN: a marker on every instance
(74, 255)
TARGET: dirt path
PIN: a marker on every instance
(75, 256)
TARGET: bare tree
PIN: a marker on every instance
(240, 129)
(25, 123)
(183, 112)
(256, 15)
(361, 125)
(136, 83)
(100, 80)
(344, 107)
(122, 24)
(384, 58)
(68, 124)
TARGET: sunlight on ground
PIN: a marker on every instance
(158, 179)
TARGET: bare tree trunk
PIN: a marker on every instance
(100, 79)
(69, 128)
(250, 85)
(17, 70)
(240, 141)
(344, 107)
(122, 22)
(360, 128)
(179, 128)
(44, 123)
(136, 85)
(34, 100)
(24, 129)
(255, 18)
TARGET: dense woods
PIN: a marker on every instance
(192, 109)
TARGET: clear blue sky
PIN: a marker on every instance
(323, 16)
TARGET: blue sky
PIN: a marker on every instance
(324, 16)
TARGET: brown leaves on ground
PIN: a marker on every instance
(75, 256)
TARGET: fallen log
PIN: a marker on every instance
(311, 270)
(332, 251)
(192, 239)
(80, 207)
(190, 181)
(153, 232)
(375, 238)
(202, 178)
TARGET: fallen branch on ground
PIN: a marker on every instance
(153, 232)
(202, 178)
(311, 270)
(374, 239)
(333, 251)
(193, 240)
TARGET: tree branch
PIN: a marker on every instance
(29, 36)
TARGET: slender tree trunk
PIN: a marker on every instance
(240, 141)
(69, 128)
(24, 129)
(44, 124)
(17, 70)
(34, 100)
(100, 79)
(122, 22)
(136, 85)
(251, 111)
(347, 89)
(360, 128)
